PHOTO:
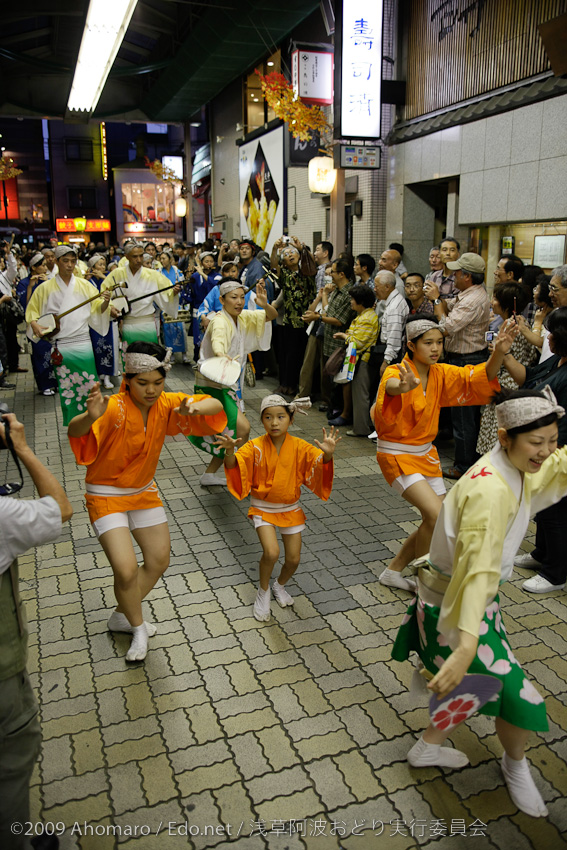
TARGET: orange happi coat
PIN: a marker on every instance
(277, 479)
(413, 418)
(119, 452)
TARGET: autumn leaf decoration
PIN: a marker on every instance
(301, 119)
(161, 171)
(8, 169)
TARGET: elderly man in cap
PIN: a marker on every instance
(136, 281)
(464, 322)
(73, 357)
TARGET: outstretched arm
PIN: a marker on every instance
(206, 407)
(501, 348)
(44, 480)
(405, 383)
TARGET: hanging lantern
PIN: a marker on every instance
(80, 223)
(321, 175)
(180, 207)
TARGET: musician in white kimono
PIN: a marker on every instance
(72, 357)
(139, 324)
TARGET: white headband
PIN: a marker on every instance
(414, 329)
(301, 405)
(227, 287)
(37, 259)
(61, 250)
(94, 259)
(135, 364)
(521, 411)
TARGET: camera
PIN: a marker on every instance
(489, 336)
(286, 239)
(4, 409)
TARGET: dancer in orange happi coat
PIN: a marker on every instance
(273, 468)
(119, 440)
(406, 414)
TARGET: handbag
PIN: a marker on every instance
(12, 311)
(346, 372)
(307, 263)
(250, 373)
(334, 362)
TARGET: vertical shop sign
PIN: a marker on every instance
(358, 69)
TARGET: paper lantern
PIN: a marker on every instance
(180, 207)
(80, 223)
(321, 175)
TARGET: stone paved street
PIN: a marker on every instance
(233, 728)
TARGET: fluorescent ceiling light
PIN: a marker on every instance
(105, 28)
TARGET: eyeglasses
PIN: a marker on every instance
(414, 286)
(553, 288)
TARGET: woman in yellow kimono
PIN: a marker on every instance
(455, 623)
(119, 439)
(273, 468)
(234, 332)
(406, 414)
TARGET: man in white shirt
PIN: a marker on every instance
(23, 524)
(393, 318)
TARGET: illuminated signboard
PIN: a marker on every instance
(103, 150)
(69, 225)
(312, 76)
(358, 66)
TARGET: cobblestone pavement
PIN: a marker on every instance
(231, 728)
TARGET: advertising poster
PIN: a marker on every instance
(261, 176)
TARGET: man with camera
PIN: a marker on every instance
(23, 524)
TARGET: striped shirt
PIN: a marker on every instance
(393, 324)
(467, 322)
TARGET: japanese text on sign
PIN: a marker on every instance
(361, 69)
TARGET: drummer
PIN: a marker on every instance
(234, 333)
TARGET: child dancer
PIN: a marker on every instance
(273, 467)
(410, 397)
(455, 624)
(119, 439)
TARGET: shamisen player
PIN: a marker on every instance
(119, 440)
(455, 623)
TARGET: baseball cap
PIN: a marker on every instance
(471, 263)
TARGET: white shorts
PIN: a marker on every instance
(291, 529)
(130, 519)
(402, 482)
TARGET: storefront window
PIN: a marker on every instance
(147, 202)
(256, 110)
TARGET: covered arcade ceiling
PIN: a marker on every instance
(175, 57)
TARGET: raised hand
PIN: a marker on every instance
(329, 442)
(261, 294)
(96, 402)
(408, 381)
(506, 335)
(226, 442)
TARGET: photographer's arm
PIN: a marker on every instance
(45, 482)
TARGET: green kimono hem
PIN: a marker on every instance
(518, 703)
(229, 401)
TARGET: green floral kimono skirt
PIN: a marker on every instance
(518, 703)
